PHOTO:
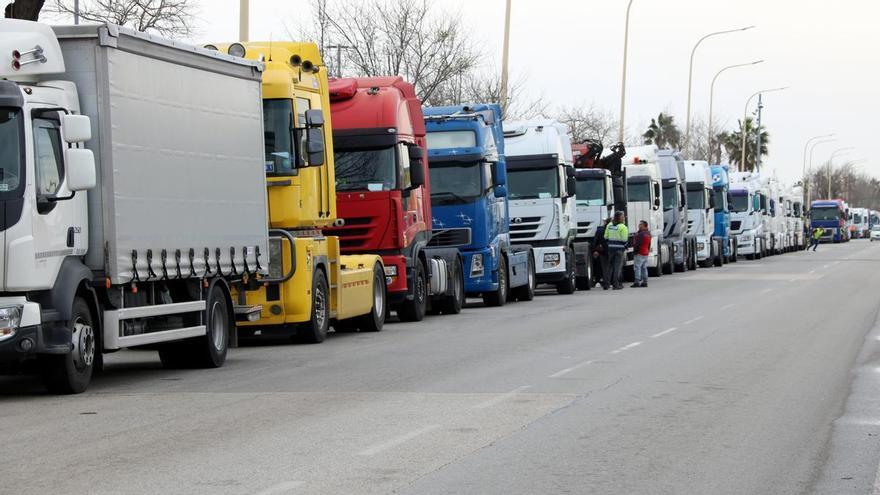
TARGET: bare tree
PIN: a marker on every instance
(589, 122)
(858, 188)
(385, 37)
(169, 18)
(28, 10)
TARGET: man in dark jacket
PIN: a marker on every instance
(601, 263)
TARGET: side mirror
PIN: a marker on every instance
(314, 118)
(500, 191)
(497, 179)
(76, 128)
(416, 173)
(81, 174)
(658, 196)
(711, 199)
(315, 146)
(571, 185)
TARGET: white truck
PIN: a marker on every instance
(796, 217)
(541, 188)
(645, 202)
(133, 194)
(675, 210)
(595, 203)
(860, 223)
(746, 214)
(701, 211)
(775, 215)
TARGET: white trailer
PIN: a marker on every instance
(134, 196)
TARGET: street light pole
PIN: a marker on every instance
(76, 11)
(831, 164)
(243, 20)
(504, 59)
(712, 98)
(687, 126)
(623, 79)
(742, 131)
(810, 170)
(804, 168)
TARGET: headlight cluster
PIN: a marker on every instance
(477, 269)
(701, 246)
(10, 317)
(276, 259)
(390, 274)
(551, 260)
(746, 237)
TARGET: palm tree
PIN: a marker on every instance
(733, 145)
(663, 132)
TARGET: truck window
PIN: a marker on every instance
(11, 150)
(277, 128)
(638, 190)
(48, 153)
(451, 139)
(455, 182)
(366, 170)
(533, 183)
(670, 197)
(740, 202)
(695, 199)
(590, 192)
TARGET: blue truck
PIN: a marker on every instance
(469, 201)
(830, 215)
(721, 193)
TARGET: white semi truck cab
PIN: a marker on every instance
(541, 185)
(747, 214)
(130, 199)
(701, 206)
(645, 202)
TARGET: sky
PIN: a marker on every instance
(570, 52)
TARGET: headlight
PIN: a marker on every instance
(745, 237)
(701, 246)
(477, 265)
(551, 260)
(390, 270)
(10, 317)
(276, 259)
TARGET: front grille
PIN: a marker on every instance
(450, 237)
(583, 228)
(355, 234)
(735, 225)
(525, 228)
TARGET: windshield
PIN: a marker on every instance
(740, 203)
(455, 183)
(531, 184)
(451, 139)
(825, 213)
(857, 218)
(695, 200)
(638, 190)
(10, 153)
(669, 197)
(590, 192)
(720, 200)
(366, 170)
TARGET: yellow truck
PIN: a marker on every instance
(310, 285)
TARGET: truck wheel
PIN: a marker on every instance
(669, 266)
(415, 310)
(499, 297)
(451, 305)
(586, 283)
(657, 271)
(71, 373)
(569, 285)
(315, 330)
(734, 253)
(527, 292)
(375, 319)
(212, 348)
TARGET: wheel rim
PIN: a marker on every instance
(531, 277)
(378, 300)
(320, 307)
(420, 288)
(218, 326)
(502, 279)
(83, 344)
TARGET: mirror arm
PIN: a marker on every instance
(52, 199)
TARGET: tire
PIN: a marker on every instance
(685, 258)
(415, 309)
(71, 373)
(527, 292)
(451, 305)
(315, 330)
(375, 319)
(657, 271)
(498, 298)
(734, 256)
(669, 266)
(210, 350)
(569, 285)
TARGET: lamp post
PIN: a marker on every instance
(504, 58)
(623, 79)
(831, 164)
(810, 170)
(712, 97)
(244, 21)
(687, 126)
(804, 169)
(743, 126)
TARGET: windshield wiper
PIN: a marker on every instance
(448, 193)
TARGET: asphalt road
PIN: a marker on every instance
(758, 377)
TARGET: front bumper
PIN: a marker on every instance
(746, 245)
(476, 282)
(556, 261)
(704, 248)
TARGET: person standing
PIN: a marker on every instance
(814, 240)
(642, 248)
(600, 255)
(617, 236)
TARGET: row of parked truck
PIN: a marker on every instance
(163, 196)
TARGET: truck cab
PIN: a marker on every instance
(721, 187)
(595, 203)
(701, 215)
(468, 176)
(541, 185)
(645, 202)
(383, 195)
(798, 228)
(746, 222)
(860, 223)
(829, 214)
(675, 210)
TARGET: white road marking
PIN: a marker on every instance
(728, 306)
(836, 262)
(664, 332)
(501, 398)
(281, 488)
(766, 291)
(569, 370)
(812, 272)
(824, 266)
(625, 348)
(394, 442)
(692, 320)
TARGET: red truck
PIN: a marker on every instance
(383, 195)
